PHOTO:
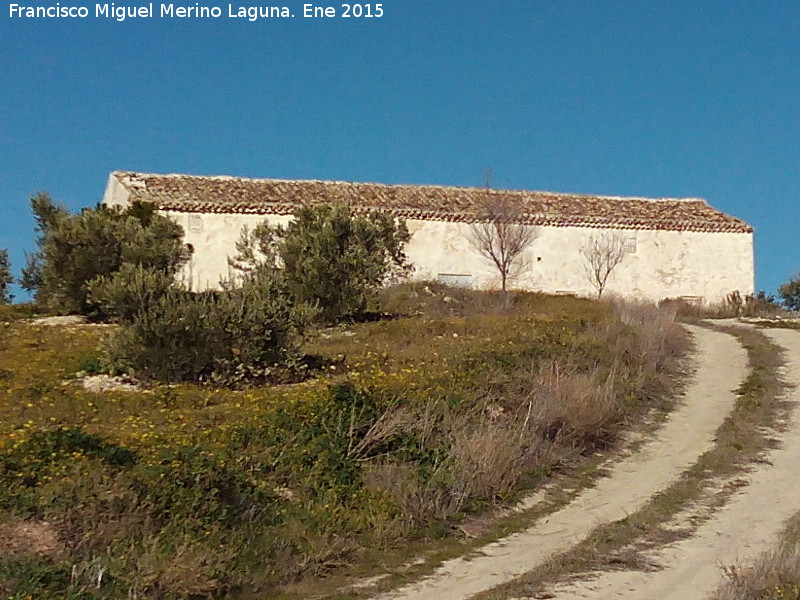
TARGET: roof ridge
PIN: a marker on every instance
(554, 195)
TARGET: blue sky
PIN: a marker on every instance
(620, 98)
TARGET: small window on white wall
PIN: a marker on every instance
(456, 279)
(629, 243)
(195, 223)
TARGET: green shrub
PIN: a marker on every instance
(169, 340)
(325, 446)
(331, 258)
(245, 334)
(88, 362)
(75, 249)
(47, 214)
(132, 289)
(28, 578)
(45, 457)
(187, 483)
(47, 446)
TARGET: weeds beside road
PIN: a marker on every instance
(632, 544)
(416, 422)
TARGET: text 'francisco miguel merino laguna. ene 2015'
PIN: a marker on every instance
(188, 11)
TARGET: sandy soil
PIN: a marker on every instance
(687, 433)
(746, 526)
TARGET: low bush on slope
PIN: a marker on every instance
(192, 491)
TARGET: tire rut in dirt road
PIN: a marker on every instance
(721, 365)
(749, 524)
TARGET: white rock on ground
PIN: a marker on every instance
(63, 320)
(109, 383)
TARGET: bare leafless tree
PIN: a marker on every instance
(500, 236)
(601, 255)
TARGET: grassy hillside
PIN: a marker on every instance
(407, 425)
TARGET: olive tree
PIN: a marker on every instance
(75, 249)
(329, 257)
(46, 214)
(247, 334)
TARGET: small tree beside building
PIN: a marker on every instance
(601, 255)
(500, 236)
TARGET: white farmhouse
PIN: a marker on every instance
(674, 247)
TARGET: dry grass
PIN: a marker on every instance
(418, 422)
(15, 312)
(776, 576)
(434, 300)
(529, 419)
(734, 305)
(741, 442)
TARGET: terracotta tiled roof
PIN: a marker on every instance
(191, 193)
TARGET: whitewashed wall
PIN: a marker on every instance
(213, 237)
(664, 263)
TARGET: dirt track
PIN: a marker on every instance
(688, 432)
(747, 525)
